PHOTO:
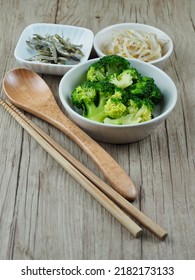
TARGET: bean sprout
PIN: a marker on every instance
(134, 44)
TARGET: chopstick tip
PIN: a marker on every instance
(139, 233)
(164, 236)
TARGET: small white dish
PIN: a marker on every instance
(77, 35)
(104, 36)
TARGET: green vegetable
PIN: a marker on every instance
(125, 78)
(115, 105)
(92, 98)
(116, 93)
(145, 88)
(137, 111)
(106, 66)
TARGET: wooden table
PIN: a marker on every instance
(44, 213)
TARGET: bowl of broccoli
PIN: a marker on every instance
(117, 100)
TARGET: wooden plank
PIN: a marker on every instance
(44, 213)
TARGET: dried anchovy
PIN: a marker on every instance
(55, 49)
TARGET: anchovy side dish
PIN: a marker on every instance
(54, 49)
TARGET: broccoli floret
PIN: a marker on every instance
(106, 66)
(83, 93)
(92, 98)
(115, 107)
(125, 78)
(137, 111)
(145, 88)
(96, 72)
(122, 80)
(141, 110)
(136, 76)
(85, 97)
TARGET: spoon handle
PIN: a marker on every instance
(112, 171)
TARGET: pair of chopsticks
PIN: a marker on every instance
(99, 190)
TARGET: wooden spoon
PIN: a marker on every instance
(28, 91)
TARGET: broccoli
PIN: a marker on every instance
(116, 93)
(106, 66)
(92, 98)
(125, 78)
(136, 76)
(140, 109)
(115, 107)
(84, 93)
(145, 88)
(137, 111)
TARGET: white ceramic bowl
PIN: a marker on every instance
(119, 134)
(77, 35)
(104, 36)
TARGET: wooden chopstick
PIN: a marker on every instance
(115, 196)
(109, 205)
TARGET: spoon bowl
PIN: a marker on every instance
(28, 91)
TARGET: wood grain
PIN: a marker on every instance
(44, 214)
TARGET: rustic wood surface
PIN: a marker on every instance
(44, 213)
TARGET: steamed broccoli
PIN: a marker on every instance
(115, 105)
(137, 111)
(116, 93)
(125, 78)
(145, 88)
(95, 99)
(82, 94)
(140, 109)
(106, 66)
(114, 108)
